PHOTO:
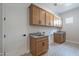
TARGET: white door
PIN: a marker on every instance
(14, 28)
(1, 42)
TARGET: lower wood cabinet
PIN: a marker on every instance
(39, 45)
(59, 37)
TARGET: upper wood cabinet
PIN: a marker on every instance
(34, 15)
(49, 19)
(57, 21)
(37, 15)
(42, 17)
(60, 22)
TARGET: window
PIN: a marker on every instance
(69, 20)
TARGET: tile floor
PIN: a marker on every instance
(64, 49)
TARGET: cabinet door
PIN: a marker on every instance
(35, 13)
(57, 21)
(42, 17)
(58, 38)
(45, 45)
(60, 22)
(39, 49)
(41, 45)
(49, 19)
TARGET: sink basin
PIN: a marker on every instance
(37, 35)
(61, 32)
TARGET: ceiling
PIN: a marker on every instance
(60, 7)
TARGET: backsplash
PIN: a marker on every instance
(47, 30)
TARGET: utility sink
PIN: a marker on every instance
(61, 32)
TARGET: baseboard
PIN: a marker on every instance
(16, 52)
(1, 54)
(25, 53)
(72, 41)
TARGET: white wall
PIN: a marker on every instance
(72, 29)
(1, 47)
(17, 24)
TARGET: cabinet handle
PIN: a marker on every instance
(43, 44)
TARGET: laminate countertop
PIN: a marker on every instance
(41, 36)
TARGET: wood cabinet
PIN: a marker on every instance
(59, 37)
(39, 45)
(57, 21)
(37, 15)
(60, 23)
(49, 19)
(34, 15)
(42, 17)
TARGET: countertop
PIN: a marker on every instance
(35, 36)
